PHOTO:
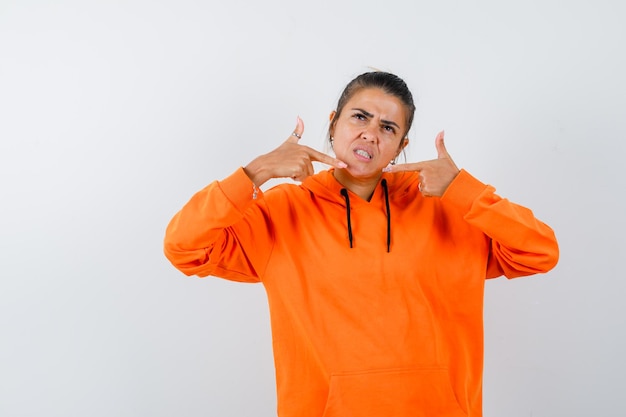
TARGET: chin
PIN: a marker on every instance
(364, 173)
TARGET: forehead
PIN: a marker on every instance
(379, 103)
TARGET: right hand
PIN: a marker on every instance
(435, 175)
(289, 160)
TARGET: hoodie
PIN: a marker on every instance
(375, 306)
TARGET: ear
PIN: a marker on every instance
(331, 119)
(403, 143)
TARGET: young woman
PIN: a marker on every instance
(374, 271)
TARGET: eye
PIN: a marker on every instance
(389, 128)
(359, 116)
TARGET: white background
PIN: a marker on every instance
(113, 113)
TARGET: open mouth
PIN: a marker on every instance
(363, 153)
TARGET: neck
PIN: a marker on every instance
(363, 187)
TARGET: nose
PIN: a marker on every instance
(369, 133)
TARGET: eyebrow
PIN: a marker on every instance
(368, 114)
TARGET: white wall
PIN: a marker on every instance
(112, 113)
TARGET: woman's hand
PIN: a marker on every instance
(289, 160)
(435, 175)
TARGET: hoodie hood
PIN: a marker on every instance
(325, 186)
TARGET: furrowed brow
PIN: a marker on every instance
(385, 122)
(366, 113)
(389, 122)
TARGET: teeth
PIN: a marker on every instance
(363, 153)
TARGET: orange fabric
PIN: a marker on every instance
(359, 331)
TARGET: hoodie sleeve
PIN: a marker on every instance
(221, 231)
(520, 243)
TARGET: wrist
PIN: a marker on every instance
(255, 171)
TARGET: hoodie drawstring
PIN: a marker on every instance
(386, 191)
(344, 193)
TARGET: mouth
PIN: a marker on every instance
(363, 154)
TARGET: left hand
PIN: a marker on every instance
(435, 175)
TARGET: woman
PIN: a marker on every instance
(374, 271)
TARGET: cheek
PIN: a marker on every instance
(341, 130)
(339, 147)
(341, 137)
(392, 150)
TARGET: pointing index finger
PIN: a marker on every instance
(326, 159)
(415, 166)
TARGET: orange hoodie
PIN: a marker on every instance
(391, 326)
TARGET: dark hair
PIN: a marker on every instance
(389, 83)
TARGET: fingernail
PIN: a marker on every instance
(297, 119)
(342, 165)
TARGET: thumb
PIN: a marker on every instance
(297, 132)
(441, 147)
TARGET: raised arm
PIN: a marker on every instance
(221, 231)
(226, 229)
(520, 243)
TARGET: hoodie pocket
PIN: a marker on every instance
(393, 393)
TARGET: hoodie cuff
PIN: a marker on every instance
(463, 191)
(239, 189)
